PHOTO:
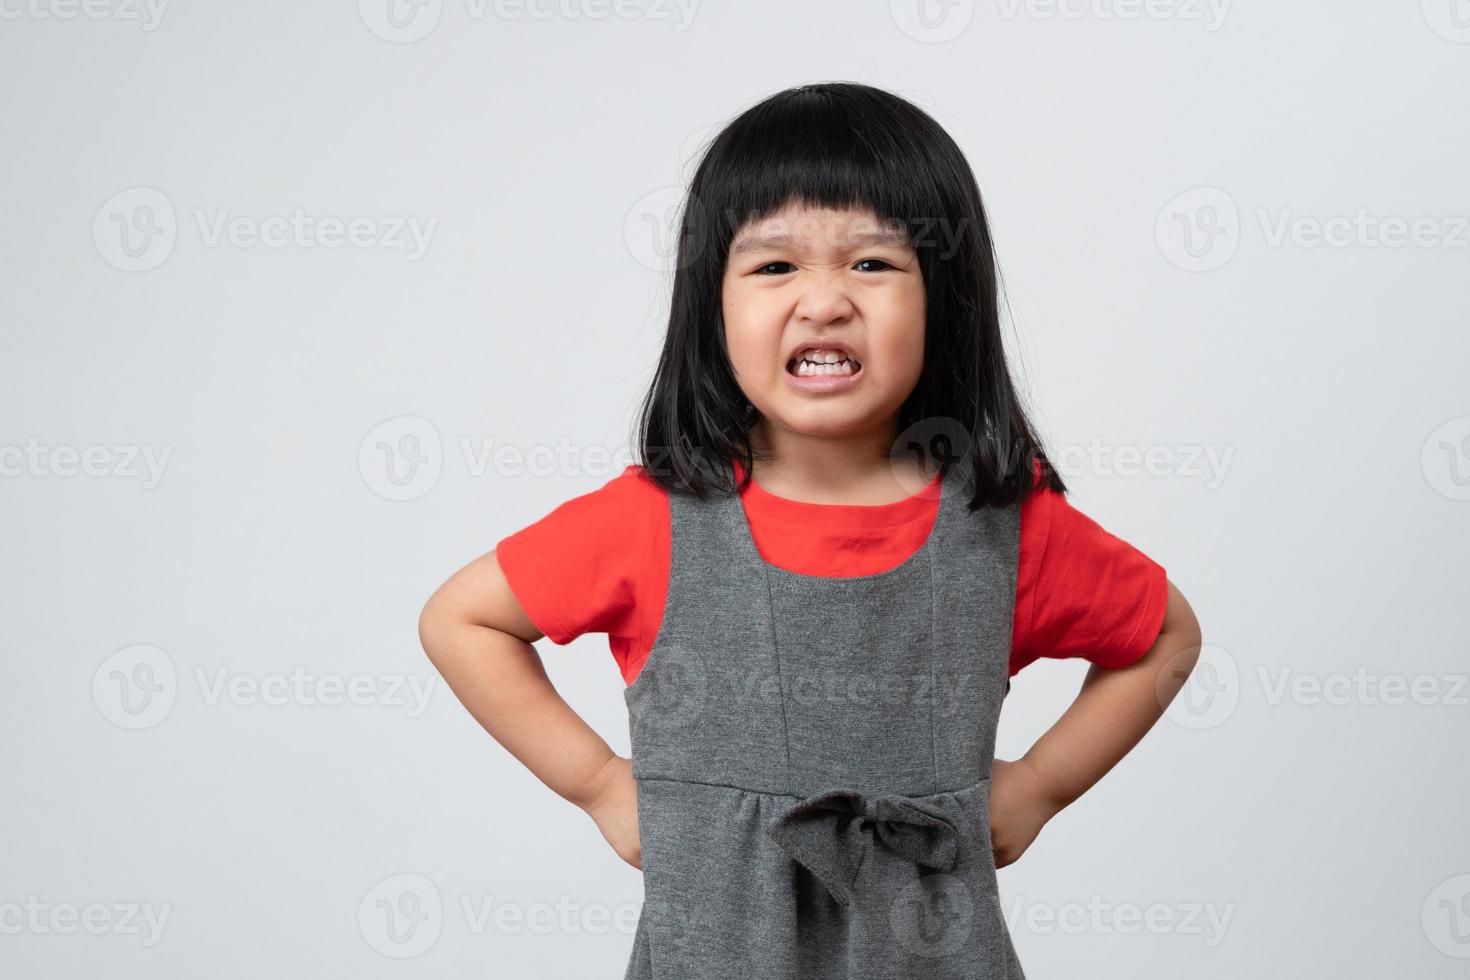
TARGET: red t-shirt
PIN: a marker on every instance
(599, 563)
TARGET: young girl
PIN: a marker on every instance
(841, 541)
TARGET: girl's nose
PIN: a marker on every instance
(824, 300)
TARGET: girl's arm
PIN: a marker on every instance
(479, 638)
(1113, 711)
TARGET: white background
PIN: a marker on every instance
(1300, 812)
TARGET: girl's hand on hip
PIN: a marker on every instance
(614, 808)
(1019, 808)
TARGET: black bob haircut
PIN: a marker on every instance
(842, 145)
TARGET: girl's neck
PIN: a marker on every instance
(858, 470)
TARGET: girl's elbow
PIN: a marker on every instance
(435, 622)
(1182, 626)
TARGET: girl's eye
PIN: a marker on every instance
(762, 271)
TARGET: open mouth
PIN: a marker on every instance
(823, 364)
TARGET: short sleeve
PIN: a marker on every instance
(1081, 591)
(574, 571)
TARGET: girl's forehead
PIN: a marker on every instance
(806, 214)
(802, 226)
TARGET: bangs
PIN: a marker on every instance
(815, 150)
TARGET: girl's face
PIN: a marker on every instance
(834, 280)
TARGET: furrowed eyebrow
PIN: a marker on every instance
(779, 242)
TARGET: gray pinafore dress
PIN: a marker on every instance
(813, 755)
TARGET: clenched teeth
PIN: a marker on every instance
(817, 363)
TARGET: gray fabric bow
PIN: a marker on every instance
(829, 834)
